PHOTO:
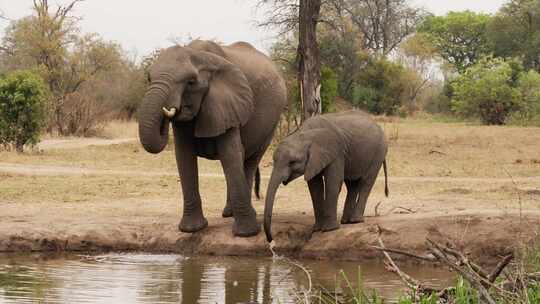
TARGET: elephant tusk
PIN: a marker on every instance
(169, 113)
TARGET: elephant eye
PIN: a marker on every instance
(192, 82)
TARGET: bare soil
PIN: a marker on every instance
(479, 190)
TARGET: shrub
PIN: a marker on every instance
(485, 91)
(529, 88)
(22, 109)
(380, 87)
(364, 97)
(329, 89)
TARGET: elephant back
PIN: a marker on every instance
(366, 140)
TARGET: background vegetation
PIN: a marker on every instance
(385, 57)
(392, 58)
(22, 109)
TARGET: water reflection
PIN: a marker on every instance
(141, 278)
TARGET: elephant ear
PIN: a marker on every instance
(326, 145)
(229, 101)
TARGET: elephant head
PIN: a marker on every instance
(193, 83)
(306, 152)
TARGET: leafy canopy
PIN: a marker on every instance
(459, 37)
(486, 91)
(515, 32)
(22, 109)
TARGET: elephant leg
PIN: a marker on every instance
(333, 180)
(186, 160)
(353, 187)
(227, 211)
(250, 166)
(231, 155)
(316, 190)
(364, 190)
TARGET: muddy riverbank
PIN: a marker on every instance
(484, 235)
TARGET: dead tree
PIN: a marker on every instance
(309, 61)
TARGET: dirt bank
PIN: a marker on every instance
(485, 235)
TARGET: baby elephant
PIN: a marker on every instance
(328, 150)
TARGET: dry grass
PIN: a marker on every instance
(120, 129)
(418, 149)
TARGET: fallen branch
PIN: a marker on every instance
(441, 255)
(496, 272)
(482, 281)
(436, 152)
(403, 208)
(414, 285)
(428, 258)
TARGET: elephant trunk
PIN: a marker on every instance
(273, 185)
(153, 124)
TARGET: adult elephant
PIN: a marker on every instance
(224, 103)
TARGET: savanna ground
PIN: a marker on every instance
(476, 186)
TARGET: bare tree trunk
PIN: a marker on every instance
(309, 62)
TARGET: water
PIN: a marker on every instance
(149, 278)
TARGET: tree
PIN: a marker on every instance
(301, 17)
(486, 91)
(418, 56)
(22, 109)
(50, 41)
(529, 88)
(308, 57)
(460, 38)
(328, 89)
(341, 48)
(515, 32)
(384, 24)
(380, 87)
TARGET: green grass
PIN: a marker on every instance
(463, 293)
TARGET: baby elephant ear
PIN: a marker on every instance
(326, 146)
(229, 101)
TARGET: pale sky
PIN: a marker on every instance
(141, 26)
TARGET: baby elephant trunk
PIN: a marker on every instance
(273, 185)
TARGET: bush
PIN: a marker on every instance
(485, 91)
(529, 88)
(329, 89)
(22, 109)
(380, 87)
(364, 97)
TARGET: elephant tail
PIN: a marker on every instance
(385, 179)
(258, 183)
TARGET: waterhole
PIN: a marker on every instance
(151, 278)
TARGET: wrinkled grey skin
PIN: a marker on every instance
(227, 102)
(328, 150)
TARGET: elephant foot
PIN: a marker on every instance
(316, 227)
(330, 226)
(227, 212)
(192, 224)
(246, 226)
(352, 217)
(352, 220)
